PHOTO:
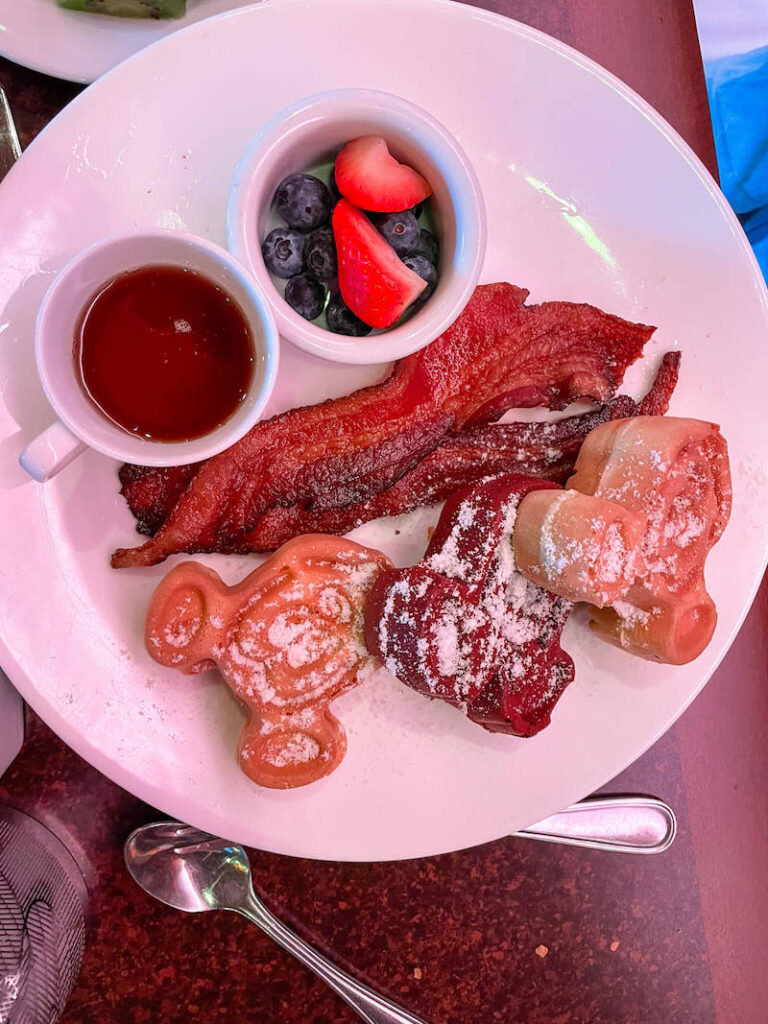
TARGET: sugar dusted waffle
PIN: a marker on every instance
(647, 501)
(465, 627)
(287, 639)
(675, 474)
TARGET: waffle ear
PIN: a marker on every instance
(179, 631)
(672, 631)
(579, 546)
(282, 753)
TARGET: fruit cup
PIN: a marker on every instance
(308, 135)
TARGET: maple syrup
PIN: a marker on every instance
(164, 353)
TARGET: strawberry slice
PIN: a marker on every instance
(375, 283)
(370, 177)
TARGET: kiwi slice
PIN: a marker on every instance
(129, 8)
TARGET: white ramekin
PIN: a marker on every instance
(311, 132)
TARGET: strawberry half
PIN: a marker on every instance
(375, 284)
(370, 177)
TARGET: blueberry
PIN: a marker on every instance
(425, 270)
(320, 254)
(303, 201)
(335, 193)
(283, 252)
(429, 247)
(306, 296)
(401, 230)
(341, 319)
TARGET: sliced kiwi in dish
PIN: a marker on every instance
(129, 8)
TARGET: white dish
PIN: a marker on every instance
(305, 135)
(81, 47)
(590, 196)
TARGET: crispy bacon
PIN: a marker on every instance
(546, 450)
(151, 493)
(656, 402)
(530, 449)
(499, 352)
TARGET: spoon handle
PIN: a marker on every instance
(621, 824)
(370, 1007)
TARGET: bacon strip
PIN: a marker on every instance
(498, 352)
(546, 450)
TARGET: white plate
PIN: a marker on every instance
(81, 47)
(590, 196)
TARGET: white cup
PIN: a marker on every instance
(81, 423)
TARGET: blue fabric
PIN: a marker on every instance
(738, 100)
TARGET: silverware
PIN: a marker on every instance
(10, 150)
(621, 824)
(194, 871)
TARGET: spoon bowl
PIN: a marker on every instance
(187, 869)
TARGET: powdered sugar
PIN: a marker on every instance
(300, 640)
(178, 635)
(448, 562)
(683, 529)
(631, 614)
(184, 626)
(446, 635)
(295, 636)
(466, 516)
(553, 559)
(358, 575)
(614, 561)
(296, 750)
(333, 604)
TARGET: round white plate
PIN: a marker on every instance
(590, 197)
(81, 47)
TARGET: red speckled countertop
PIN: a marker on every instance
(514, 931)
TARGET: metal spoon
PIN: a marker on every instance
(194, 871)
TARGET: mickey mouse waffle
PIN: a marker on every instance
(287, 639)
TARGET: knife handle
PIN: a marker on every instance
(621, 824)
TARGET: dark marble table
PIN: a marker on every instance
(513, 931)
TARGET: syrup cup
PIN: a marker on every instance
(81, 423)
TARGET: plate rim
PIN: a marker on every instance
(152, 793)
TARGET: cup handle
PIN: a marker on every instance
(50, 451)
